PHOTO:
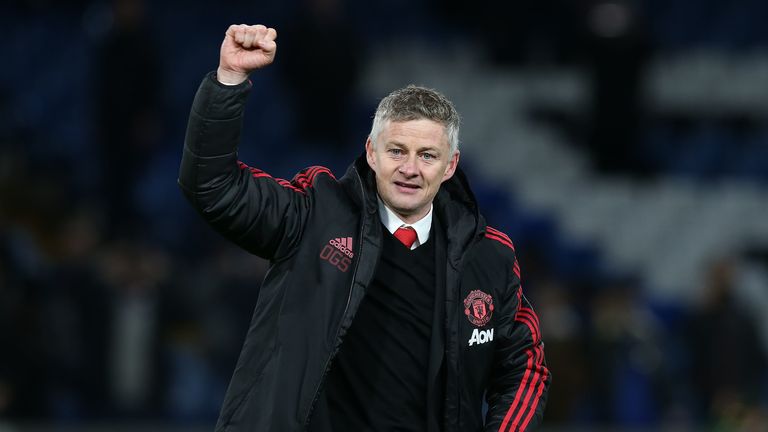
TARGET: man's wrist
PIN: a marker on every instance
(230, 78)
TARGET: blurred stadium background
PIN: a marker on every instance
(622, 144)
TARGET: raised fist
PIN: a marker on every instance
(245, 49)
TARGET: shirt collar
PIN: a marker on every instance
(392, 221)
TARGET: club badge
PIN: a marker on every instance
(478, 307)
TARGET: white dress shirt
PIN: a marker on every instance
(392, 221)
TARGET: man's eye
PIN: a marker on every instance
(395, 152)
(428, 156)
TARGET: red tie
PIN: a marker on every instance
(406, 235)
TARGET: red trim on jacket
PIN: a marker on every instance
(531, 387)
(503, 236)
(528, 317)
(494, 234)
(300, 183)
(528, 393)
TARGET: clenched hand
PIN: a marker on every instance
(245, 49)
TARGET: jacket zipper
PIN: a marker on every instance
(346, 307)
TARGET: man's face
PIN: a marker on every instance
(411, 160)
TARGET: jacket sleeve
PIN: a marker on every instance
(262, 214)
(520, 379)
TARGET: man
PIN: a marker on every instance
(389, 304)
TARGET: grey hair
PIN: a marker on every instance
(417, 103)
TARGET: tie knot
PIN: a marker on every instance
(406, 235)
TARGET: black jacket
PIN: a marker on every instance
(492, 345)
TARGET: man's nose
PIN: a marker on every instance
(408, 167)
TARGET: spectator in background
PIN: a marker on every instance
(626, 357)
(728, 363)
(607, 35)
(563, 329)
(75, 317)
(322, 76)
(135, 274)
(127, 108)
(213, 303)
(27, 217)
(617, 52)
(523, 32)
(21, 384)
(232, 285)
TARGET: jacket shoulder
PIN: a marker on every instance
(503, 246)
(308, 177)
(501, 240)
(302, 182)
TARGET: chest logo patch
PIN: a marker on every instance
(338, 252)
(478, 307)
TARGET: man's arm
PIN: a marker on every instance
(262, 214)
(520, 379)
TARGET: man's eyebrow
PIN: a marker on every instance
(396, 144)
(420, 149)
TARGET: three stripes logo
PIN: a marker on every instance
(343, 244)
(338, 252)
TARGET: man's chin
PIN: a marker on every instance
(403, 211)
(406, 210)
(401, 208)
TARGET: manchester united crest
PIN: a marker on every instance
(478, 307)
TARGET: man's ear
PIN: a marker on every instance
(452, 164)
(369, 154)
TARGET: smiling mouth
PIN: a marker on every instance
(407, 185)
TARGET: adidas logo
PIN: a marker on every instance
(338, 252)
(344, 244)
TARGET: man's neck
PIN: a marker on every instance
(393, 221)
